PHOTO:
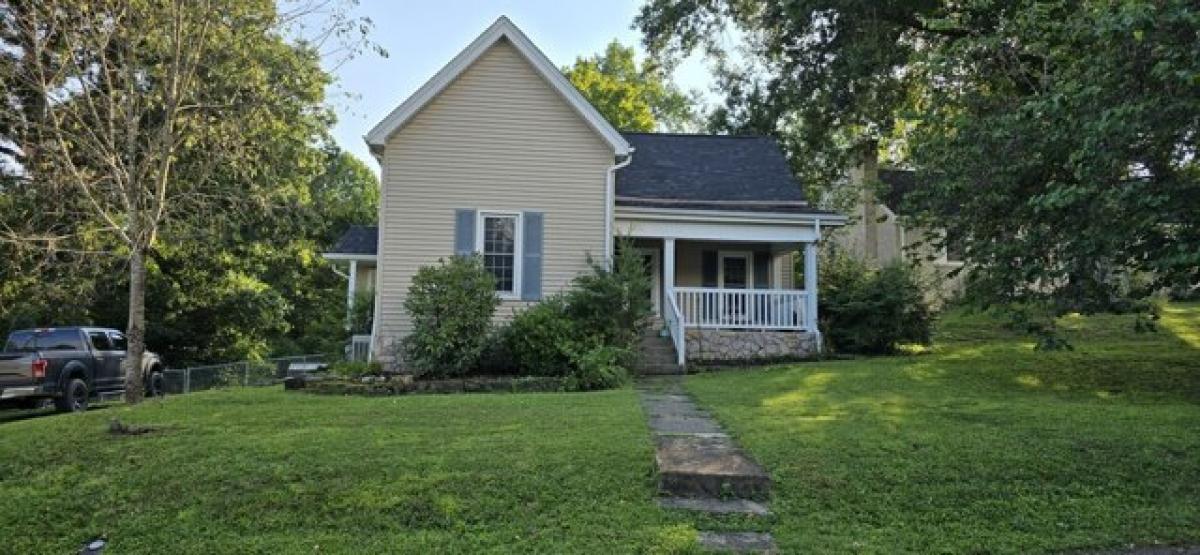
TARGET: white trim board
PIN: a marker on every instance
(503, 28)
(779, 232)
(349, 256)
(731, 216)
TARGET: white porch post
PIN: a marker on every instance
(669, 267)
(351, 290)
(810, 287)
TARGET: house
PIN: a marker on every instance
(876, 233)
(499, 154)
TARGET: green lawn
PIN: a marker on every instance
(263, 471)
(981, 445)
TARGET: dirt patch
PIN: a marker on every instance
(118, 428)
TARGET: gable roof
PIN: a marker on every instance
(358, 239)
(709, 172)
(501, 29)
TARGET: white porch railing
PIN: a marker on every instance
(756, 309)
(360, 348)
(674, 318)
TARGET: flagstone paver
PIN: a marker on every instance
(700, 468)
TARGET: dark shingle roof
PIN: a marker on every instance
(899, 183)
(709, 172)
(358, 239)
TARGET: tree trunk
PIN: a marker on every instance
(136, 331)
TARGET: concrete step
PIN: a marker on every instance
(660, 357)
(668, 369)
(705, 465)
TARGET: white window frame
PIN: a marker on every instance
(518, 246)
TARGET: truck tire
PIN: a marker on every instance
(74, 397)
(156, 385)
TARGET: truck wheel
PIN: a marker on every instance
(74, 397)
(156, 385)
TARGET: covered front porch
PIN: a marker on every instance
(724, 283)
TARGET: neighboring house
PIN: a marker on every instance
(498, 154)
(876, 234)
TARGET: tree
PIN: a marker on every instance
(1056, 140)
(141, 116)
(631, 98)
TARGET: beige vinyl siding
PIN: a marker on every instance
(881, 242)
(497, 138)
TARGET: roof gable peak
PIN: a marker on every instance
(503, 28)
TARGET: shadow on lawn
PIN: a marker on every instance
(17, 415)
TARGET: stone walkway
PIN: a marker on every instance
(700, 468)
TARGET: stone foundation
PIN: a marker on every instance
(704, 345)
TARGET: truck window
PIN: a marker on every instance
(19, 341)
(100, 341)
(58, 340)
(118, 341)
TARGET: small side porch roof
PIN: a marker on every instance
(359, 242)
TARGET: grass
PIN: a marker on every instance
(982, 445)
(263, 471)
(978, 445)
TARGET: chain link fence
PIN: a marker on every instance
(244, 373)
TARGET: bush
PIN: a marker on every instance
(614, 305)
(870, 311)
(347, 369)
(600, 367)
(496, 358)
(451, 306)
(362, 312)
(543, 338)
(588, 334)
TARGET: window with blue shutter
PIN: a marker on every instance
(464, 232)
(531, 256)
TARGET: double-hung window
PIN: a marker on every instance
(499, 243)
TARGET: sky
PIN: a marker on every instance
(421, 37)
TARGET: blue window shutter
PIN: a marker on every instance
(762, 270)
(708, 268)
(531, 256)
(464, 231)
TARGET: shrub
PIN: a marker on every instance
(543, 338)
(613, 305)
(496, 358)
(451, 306)
(362, 312)
(599, 367)
(588, 334)
(870, 311)
(348, 369)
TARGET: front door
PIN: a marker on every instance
(735, 271)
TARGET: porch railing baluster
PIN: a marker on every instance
(766, 309)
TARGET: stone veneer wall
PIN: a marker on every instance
(705, 345)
